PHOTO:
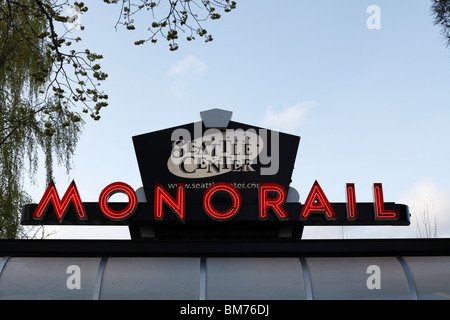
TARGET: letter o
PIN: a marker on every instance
(222, 215)
(112, 189)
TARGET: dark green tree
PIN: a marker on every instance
(37, 99)
(441, 12)
(48, 85)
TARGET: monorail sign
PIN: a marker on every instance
(214, 178)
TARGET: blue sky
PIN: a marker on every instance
(370, 105)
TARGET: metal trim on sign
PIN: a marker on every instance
(409, 278)
(99, 278)
(202, 284)
(306, 279)
(3, 263)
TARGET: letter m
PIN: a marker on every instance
(60, 206)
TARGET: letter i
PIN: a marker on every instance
(351, 202)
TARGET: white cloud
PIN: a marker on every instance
(426, 198)
(185, 75)
(188, 66)
(288, 118)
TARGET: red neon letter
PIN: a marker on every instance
(60, 206)
(265, 202)
(317, 202)
(114, 188)
(351, 202)
(177, 206)
(380, 212)
(222, 215)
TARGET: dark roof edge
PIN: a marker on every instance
(280, 248)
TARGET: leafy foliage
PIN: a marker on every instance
(441, 12)
(47, 83)
(179, 16)
(40, 82)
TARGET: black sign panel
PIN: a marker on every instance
(229, 181)
(241, 155)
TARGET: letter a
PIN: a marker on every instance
(317, 202)
(374, 21)
(74, 280)
(374, 280)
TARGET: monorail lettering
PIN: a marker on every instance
(202, 180)
(271, 206)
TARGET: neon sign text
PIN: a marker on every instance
(272, 201)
